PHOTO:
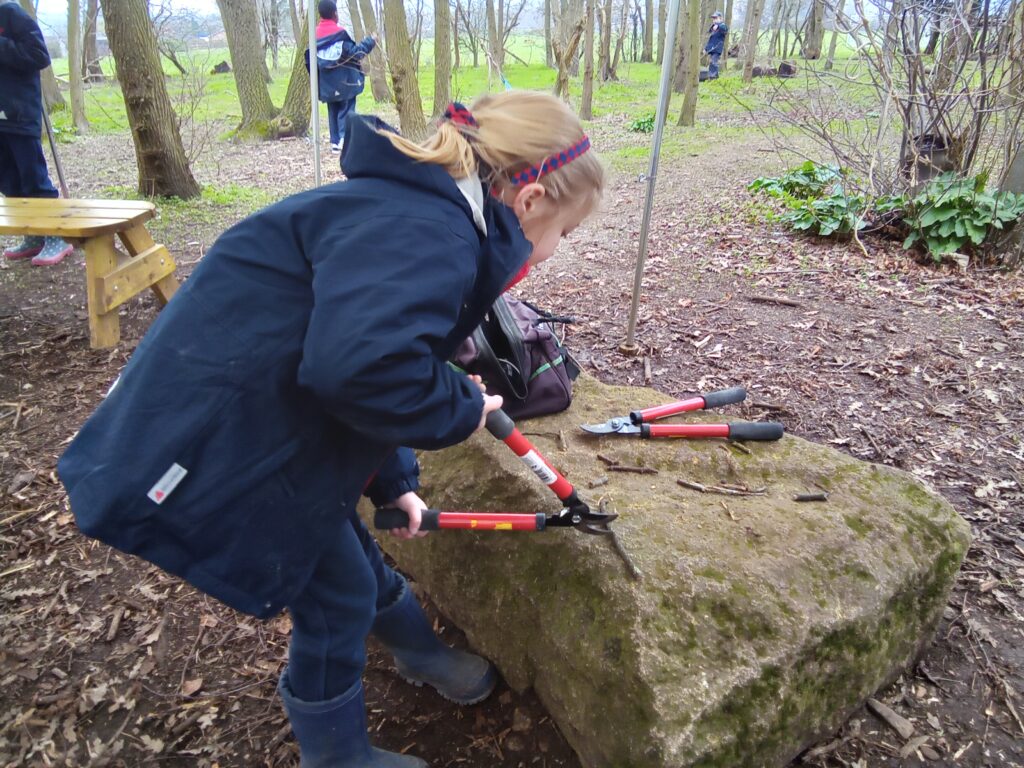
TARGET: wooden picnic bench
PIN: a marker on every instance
(112, 276)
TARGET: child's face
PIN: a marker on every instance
(544, 222)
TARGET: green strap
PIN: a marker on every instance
(546, 366)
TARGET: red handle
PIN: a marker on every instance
(686, 430)
(491, 521)
(661, 411)
(503, 428)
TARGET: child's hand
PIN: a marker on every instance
(491, 403)
(412, 505)
(479, 382)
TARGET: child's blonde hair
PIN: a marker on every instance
(514, 130)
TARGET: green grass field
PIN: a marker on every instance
(633, 96)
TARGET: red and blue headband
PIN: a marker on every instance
(460, 115)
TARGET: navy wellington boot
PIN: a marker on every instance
(332, 733)
(421, 657)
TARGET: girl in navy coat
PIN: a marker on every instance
(308, 344)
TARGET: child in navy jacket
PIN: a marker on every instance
(308, 344)
(340, 77)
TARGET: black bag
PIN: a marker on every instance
(517, 352)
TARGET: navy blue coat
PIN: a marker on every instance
(23, 55)
(309, 342)
(716, 38)
(343, 78)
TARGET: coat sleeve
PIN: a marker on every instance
(353, 51)
(23, 48)
(386, 292)
(398, 475)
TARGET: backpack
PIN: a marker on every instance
(519, 355)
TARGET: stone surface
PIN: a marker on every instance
(759, 623)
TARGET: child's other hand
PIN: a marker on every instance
(413, 506)
(491, 403)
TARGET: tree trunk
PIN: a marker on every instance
(648, 52)
(457, 62)
(403, 71)
(604, 58)
(566, 44)
(296, 25)
(375, 66)
(358, 32)
(724, 65)
(495, 42)
(755, 9)
(837, 22)
(293, 119)
(90, 61)
(778, 10)
(587, 102)
(933, 40)
(549, 58)
(690, 61)
(815, 36)
(619, 42)
(248, 64)
(274, 31)
(662, 21)
(442, 56)
(163, 167)
(75, 66)
(52, 98)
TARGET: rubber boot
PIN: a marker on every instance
(26, 249)
(332, 733)
(421, 657)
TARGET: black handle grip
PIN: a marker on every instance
(755, 430)
(724, 397)
(386, 518)
(499, 424)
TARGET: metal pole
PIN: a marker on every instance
(56, 157)
(629, 346)
(314, 92)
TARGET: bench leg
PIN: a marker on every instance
(138, 240)
(100, 260)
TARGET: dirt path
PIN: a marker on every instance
(103, 658)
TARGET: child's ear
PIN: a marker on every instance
(527, 202)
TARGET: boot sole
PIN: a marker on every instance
(462, 702)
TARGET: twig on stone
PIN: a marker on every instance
(721, 489)
(634, 470)
(811, 497)
(634, 572)
(897, 722)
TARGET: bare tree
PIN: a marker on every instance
(403, 71)
(662, 22)
(293, 119)
(648, 53)
(566, 43)
(75, 66)
(270, 23)
(248, 65)
(163, 167)
(442, 56)
(471, 17)
(296, 15)
(815, 30)
(374, 63)
(549, 58)
(690, 60)
(751, 30)
(586, 103)
(830, 60)
(91, 68)
(726, 42)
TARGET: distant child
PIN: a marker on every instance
(716, 43)
(23, 173)
(307, 346)
(340, 76)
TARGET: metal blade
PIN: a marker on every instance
(619, 425)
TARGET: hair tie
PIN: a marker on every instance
(551, 163)
(460, 115)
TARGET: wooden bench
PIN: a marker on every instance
(112, 276)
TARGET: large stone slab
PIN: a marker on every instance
(759, 623)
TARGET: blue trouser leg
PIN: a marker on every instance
(344, 109)
(332, 616)
(23, 167)
(713, 65)
(332, 120)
